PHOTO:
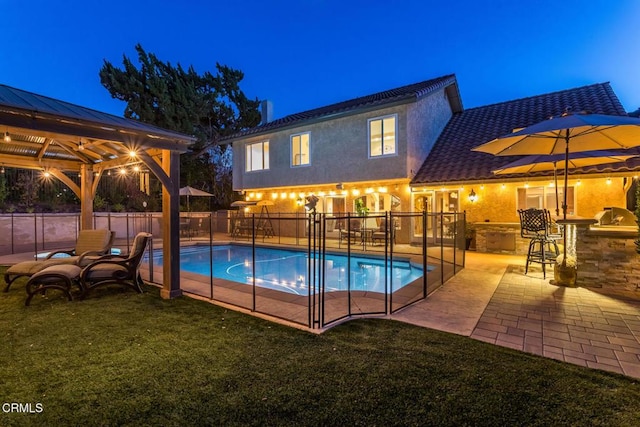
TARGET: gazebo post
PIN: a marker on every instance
(171, 226)
(86, 198)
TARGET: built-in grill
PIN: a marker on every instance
(615, 217)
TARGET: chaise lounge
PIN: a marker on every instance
(117, 269)
(106, 270)
(90, 244)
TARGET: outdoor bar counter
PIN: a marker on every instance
(606, 256)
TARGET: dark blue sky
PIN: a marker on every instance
(309, 53)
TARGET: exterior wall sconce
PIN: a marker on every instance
(473, 196)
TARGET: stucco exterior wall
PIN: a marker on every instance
(339, 152)
(426, 120)
(498, 202)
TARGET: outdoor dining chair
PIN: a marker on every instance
(535, 224)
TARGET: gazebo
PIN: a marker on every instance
(46, 134)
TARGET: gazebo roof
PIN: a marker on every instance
(40, 132)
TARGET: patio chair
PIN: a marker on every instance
(117, 269)
(353, 232)
(535, 224)
(90, 245)
(383, 232)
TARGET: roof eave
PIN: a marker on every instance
(352, 112)
(26, 119)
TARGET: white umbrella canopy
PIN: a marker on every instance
(568, 133)
(540, 163)
(575, 132)
(190, 191)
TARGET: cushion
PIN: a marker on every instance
(69, 271)
(93, 240)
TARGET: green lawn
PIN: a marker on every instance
(120, 358)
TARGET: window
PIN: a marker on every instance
(382, 136)
(300, 150)
(545, 198)
(257, 156)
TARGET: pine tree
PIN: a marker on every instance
(208, 106)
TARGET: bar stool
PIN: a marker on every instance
(535, 224)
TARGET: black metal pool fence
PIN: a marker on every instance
(431, 241)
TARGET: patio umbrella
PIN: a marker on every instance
(190, 191)
(541, 163)
(568, 133)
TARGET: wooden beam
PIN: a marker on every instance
(66, 180)
(171, 226)
(33, 163)
(69, 149)
(159, 170)
(86, 198)
(43, 149)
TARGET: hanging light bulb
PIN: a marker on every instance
(2, 169)
(7, 137)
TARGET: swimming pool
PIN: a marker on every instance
(287, 270)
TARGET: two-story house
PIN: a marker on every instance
(365, 150)
(409, 149)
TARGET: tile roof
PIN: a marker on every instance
(407, 92)
(451, 159)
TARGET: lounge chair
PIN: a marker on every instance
(116, 269)
(90, 245)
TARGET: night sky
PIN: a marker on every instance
(308, 53)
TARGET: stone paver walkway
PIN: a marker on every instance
(576, 325)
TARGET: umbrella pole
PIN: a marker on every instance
(564, 204)
(555, 184)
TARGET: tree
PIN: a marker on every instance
(207, 106)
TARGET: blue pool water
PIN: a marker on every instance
(287, 270)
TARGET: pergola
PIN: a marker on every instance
(56, 137)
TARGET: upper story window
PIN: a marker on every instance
(257, 156)
(382, 136)
(300, 155)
